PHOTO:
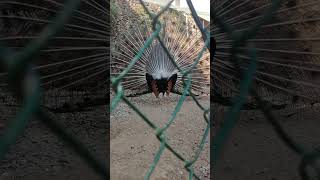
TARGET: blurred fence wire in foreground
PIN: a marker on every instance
(160, 132)
(238, 39)
(25, 84)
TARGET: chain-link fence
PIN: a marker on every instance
(160, 132)
(25, 84)
(308, 158)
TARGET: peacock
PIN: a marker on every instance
(287, 48)
(155, 73)
(79, 57)
(287, 52)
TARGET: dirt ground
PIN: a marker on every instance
(39, 154)
(254, 151)
(133, 143)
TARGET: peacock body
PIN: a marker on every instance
(287, 47)
(155, 72)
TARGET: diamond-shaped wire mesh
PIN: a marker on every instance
(160, 132)
(25, 84)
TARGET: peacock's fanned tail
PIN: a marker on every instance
(184, 43)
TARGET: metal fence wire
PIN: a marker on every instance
(238, 39)
(25, 84)
(160, 132)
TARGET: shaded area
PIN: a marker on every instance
(254, 151)
(39, 153)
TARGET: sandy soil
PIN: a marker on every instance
(254, 151)
(39, 154)
(133, 143)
